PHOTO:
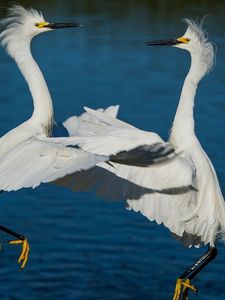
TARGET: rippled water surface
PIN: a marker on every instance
(83, 247)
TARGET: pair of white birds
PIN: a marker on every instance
(172, 182)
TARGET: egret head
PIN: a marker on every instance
(23, 24)
(195, 41)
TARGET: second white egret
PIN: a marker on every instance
(181, 191)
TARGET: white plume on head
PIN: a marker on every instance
(199, 44)
(19, 26)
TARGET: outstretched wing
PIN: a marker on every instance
(138, 156)
(103, 134)
(163, 190)
(34, 161)
(165, 195)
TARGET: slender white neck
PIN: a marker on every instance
(183, 124)
(43, 108)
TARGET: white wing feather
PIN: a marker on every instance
(33, 162)
(168, 206)
(86, 123)
(164, 192)
(102, 134)
(116, 136)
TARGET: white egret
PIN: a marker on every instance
(180, 191)
(25, 160)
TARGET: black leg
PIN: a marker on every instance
(183, 282)
(200, 264)
(13, 233)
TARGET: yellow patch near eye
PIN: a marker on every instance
(183, 40)
(41, 24)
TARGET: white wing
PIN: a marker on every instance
(165, 192)
(78, 126)
(102, 134)
(168, 204)
(165, 195)
(33, 162)
(116, 136)
(128, 146)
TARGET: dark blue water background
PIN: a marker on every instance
(83, 247)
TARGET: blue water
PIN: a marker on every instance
(83, 247)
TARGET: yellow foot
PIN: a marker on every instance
(25, 251)
(186, 286)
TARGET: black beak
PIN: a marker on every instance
(170, 42)
(62, 25)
